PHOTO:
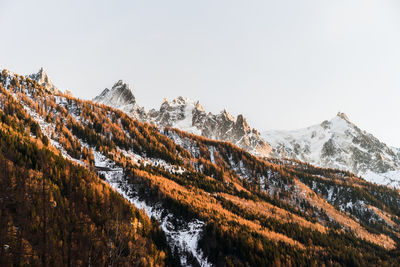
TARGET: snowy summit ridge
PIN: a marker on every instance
(339, 143)
(188, 115)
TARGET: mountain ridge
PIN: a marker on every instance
(347, 148)
(215, 202)
(189, 115)
(338, 143)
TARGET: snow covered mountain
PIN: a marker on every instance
(340, 144)
(337, 143)
(43, 79)
(121, 96)
(188, 115)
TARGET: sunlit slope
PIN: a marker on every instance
(240, 210)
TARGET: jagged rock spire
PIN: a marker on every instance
(43, 79)
(121, 96)
(343, 116)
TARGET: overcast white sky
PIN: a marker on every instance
(283, 64)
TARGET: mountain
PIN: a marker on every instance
(188, 115)
(211, 202)
(337, 143)
(53, 211)
(121, 96)
(340, 144)
(44, 80)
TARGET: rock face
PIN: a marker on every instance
(340, 144)
(121, 96)
(188, 115)
(43, 79)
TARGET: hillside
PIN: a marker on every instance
(215, 203)
(56, 212)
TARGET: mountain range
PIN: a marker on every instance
(84, 183)
(337, 143)
(188, 115)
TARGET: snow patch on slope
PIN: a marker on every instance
(391, 178)
(184, 238)
(186, 124)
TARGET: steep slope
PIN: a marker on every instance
(58, 213)
(339, 144)
(121, 96)
(217, 204)
(188, 115)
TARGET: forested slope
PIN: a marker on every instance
(216, 204)
(54, 212)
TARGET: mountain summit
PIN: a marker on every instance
(338, 143)
(43, 79)
(343, 116)
(121, 96)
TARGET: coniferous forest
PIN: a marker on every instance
(71, 172)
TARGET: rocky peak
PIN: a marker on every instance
(104, 93)
(241, 122)
(178, 103)
(343, 116)
(124, 90)
(43, 79)
(337, 143)
(199, 107)
(225, 115)
(121, 84)
(181, 101)
(164, 106)
(121, 96)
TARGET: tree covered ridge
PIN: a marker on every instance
(257, 212)
(55, 212)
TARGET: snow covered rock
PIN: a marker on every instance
(188, 115)
(337, 143)
(340, 144)
(42, 78)
(121, 96)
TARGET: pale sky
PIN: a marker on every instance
(283, 64)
